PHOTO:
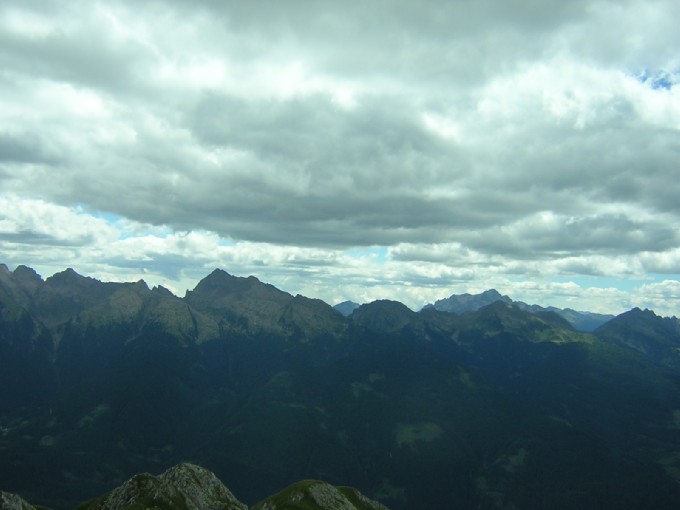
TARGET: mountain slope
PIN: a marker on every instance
(27, 348)
(247, 306)
(383, 315)
(657, 338)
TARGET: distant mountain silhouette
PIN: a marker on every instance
(463, 303)
(346, 307)
(383, 315)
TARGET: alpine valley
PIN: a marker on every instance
(473, 402)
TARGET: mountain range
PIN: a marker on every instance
(463, 303)
(496, 405)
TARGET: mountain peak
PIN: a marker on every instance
(163, 291)
(492, 293)
(463, 303)
(219, 273)
(22, 278)
(383, 314)
(25, 272)
(346, 307)
(27, 278)
(247, 305)
(225, 282)
(182, 487)
(639, 312)
(68, 277)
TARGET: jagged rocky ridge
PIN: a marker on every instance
(496, 407)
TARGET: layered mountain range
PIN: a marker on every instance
(463, 303)
(494, 406)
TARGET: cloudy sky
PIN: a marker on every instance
(353, 150)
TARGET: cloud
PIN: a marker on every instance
(473, 141)
(26, 220)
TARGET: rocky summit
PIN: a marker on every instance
(191, 487)
(182, 487)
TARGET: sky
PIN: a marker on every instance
(348, 151)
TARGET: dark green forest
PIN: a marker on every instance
(498, 407)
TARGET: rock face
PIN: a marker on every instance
(317, 495)
(190, 487)
(183, 487)
(9, 501)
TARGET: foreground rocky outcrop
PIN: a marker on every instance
(182, 487)
(190, 487)
(9, 501)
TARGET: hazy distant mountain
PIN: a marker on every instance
(463, 303)
(346, 307)
(497, 407)
(582, 321)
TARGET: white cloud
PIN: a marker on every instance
(43, 220)
(662, 297)
(479, 143)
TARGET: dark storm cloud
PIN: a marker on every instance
(23, 148)
(28, 237)
(559, 237)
